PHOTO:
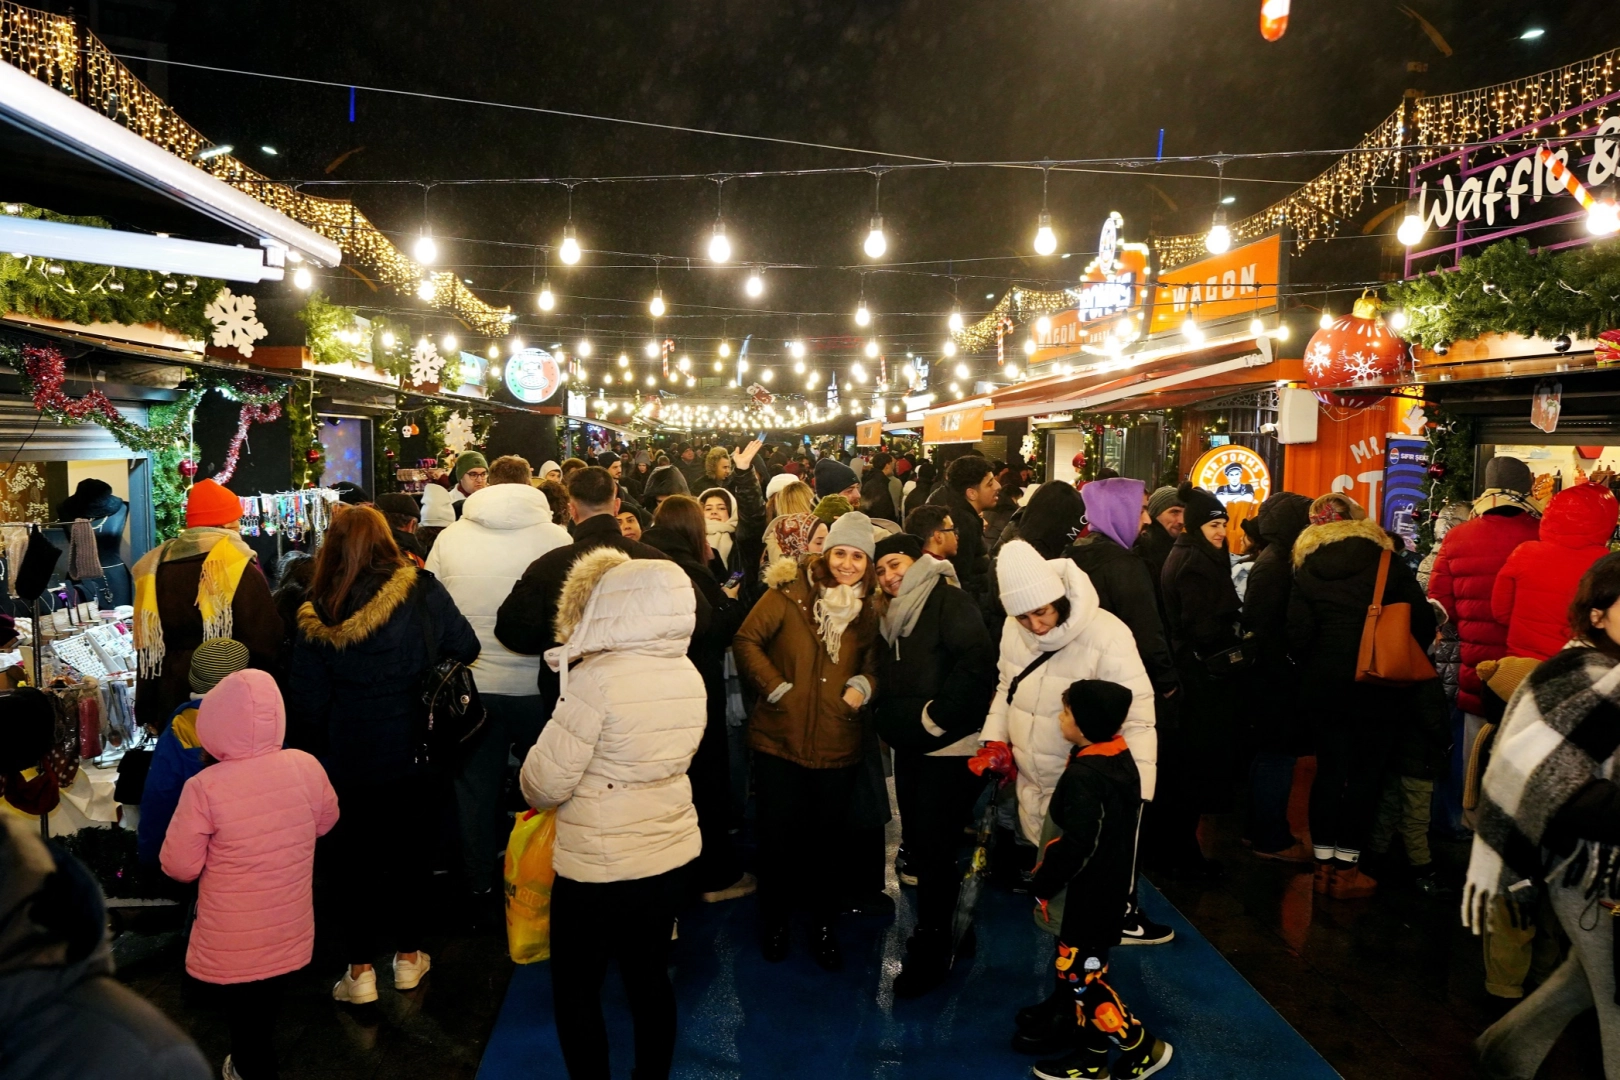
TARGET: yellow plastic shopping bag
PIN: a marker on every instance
(528, 886)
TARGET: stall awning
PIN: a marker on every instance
(1118, 382)
(42, 114)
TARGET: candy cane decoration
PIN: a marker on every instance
(1273, 19)
(1602, 216)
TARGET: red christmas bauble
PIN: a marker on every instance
(1437, 471)
(1357, 348)
(188, 468)
(313, 454)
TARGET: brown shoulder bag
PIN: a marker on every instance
(1389, 655)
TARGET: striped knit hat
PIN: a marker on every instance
(215, 659)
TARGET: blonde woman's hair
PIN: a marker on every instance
(795, 498)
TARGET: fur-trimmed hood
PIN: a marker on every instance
(613, 603)
(1317, 537)
(781, 573)
(371, 617)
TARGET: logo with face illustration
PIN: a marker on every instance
(1234, 474)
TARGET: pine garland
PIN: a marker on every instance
(1451, 448)
(1508, 289)
(335, 337)
(168, 488)
(86, 293)
(307, 469)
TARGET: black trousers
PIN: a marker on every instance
(799, 819)
(936, 797)
(592, 925)
(382, 841)
(251, 1009)
(1354, 732)
(710, 775)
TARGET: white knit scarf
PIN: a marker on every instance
(836, 608)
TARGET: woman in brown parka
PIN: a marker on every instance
(808, 647)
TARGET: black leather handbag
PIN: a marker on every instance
(451, 712)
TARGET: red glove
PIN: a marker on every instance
(994, 757)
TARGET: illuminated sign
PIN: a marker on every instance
(958, 426)
(1234, 474)
(532, 376)
(1241, 282)
(1111, 286)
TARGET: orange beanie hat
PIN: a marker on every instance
(211, 503)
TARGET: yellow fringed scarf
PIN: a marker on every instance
(227, 556)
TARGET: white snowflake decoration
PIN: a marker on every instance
(236, 321)
(1318, 358)
(1361, 366)
(426, 363)
(458, 432)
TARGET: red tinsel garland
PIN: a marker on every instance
(47, 370)
(250, 415)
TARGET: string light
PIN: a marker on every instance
(568, 251)
(1326, 321)
(547, 298)
(426, 290)
(863, 317)
(1190, 330)
(388, 339)
(876, 243)
(872, 348)
(798, 367)
(493, 352)
(651, 350)
(766, 375)
(684, 364)
(656, 306)
(1045, 238)
(1397, 319)
(724, 349)
(584, 348)
(1411, 230)
(515, 345)
(607, 378)
(1256, 327)
(955, 321)
(1043, 325)
(949, 348)
(449, 342)
(303, 280)
(756, 284)
(426, 251)
(1029, 346)
(624, 361)
(1219, 240)
(719, 245)
(961, 371)
(652, 380)
(719, 366)
(797, 349)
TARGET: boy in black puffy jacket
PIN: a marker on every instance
(1095, 805)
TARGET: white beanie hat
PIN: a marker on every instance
(853, 529)
(778, 482)
(1026, 580)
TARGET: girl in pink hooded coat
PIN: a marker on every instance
(247, 827)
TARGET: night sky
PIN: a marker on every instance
(952, 79)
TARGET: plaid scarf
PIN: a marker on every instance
(1561, 728)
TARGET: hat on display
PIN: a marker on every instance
(1025, 579)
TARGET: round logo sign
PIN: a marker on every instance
(532, 376)
(1108, 242)
(1234, 474)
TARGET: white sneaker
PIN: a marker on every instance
(746, 885)
(356, 991)
(228, 1071)
(407, 974)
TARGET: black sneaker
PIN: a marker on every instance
(1141, 930)
(878, 905)
(1089, 1061)
(1153, 1055)
(903, 871)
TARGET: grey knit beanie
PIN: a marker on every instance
(1161, 500)
(853, 529)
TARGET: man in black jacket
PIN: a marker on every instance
(526, 618)
(1166, 521)
(877, 495)
(970, 488)
(938, 673)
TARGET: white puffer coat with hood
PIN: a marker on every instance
(503, 528)
(613, 759)
(1089, 644)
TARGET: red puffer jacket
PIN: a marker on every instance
(1534, 589)
(1465, 573)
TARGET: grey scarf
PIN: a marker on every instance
(915, 589)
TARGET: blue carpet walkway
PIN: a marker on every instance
(742, 1017)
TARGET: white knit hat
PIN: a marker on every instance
(1026, 580)
(778, 482)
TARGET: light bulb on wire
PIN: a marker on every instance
(569, 251)
(876, 243)
(651, 350)
(1219, 239)
(1411, 230)
(449, 342)
(724, 349)
(863, 317)
(493, 352)
(303, 280)
(584, 348)
(755, 286)
(955, 321)
(1043, 325)
(872, 349)
(797, 349)
(547, 299)
(1603, 218)
(1029, 346)
(656, 306)
(425, 250)
(425, 289)
(1045, 238)
(1397, 319)
(1326, 321)
(949, 348)
(624, 361)
(719, 244)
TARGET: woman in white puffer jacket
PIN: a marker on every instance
(613, 761)
(1052, 609)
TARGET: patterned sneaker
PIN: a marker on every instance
(1088, 1062)
(408, 973)
(356, 991)
(1153, 1056)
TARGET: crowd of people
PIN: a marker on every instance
(687, 636)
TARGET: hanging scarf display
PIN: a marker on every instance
(84, 560)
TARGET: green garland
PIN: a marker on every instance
(1508, 289)
(86, 293)
(301, 423)
(168, 489)
(336, 335)
(385, 462)
(1451, 446)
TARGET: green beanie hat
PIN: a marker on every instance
(469, 459)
